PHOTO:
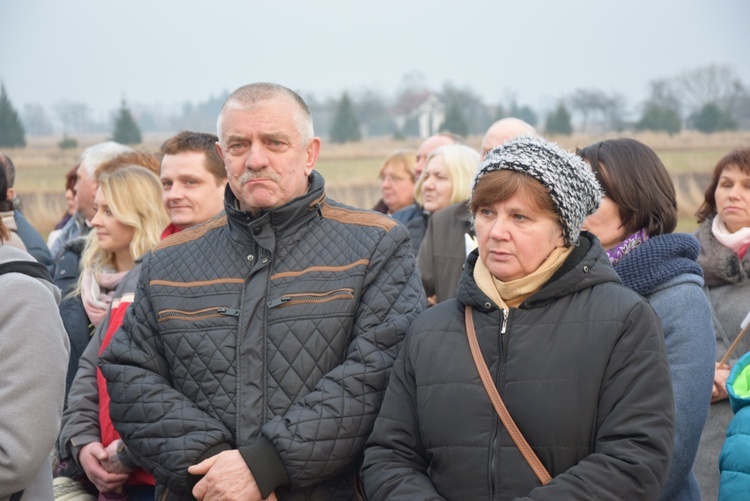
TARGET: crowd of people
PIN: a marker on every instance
(520, 322)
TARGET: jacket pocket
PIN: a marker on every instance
(311, 297)
(196, 315)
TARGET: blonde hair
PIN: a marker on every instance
(4, 232)
(133, 194)
(461, 163)
(406, 160)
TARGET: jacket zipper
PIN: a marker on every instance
(493, 455)
(311, 297)
(195, 315)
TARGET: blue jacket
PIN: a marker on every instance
(35, 244)
(76, 321)
(734, 460)
(664, 270)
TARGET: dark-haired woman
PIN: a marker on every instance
(635, 223)
(724, 235)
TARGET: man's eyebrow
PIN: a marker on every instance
(278, 136)
(235, 137)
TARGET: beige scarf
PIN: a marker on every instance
(511, 294)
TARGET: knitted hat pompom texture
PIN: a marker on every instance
(570, 182)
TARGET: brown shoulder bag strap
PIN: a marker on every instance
(497, 403)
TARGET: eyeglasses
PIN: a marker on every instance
(392, 179)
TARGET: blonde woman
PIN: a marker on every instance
(397, 177)
(128, 223)
(446, 179)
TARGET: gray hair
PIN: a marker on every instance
(94, 156)
(248, 95)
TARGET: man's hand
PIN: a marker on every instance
(719, 391)
(226, 478)
(113, 464)
(91, 457)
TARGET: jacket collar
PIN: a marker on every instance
(278, 222)
(720, 265)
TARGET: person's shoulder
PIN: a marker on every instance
(26, 288)
(438, 315)
(191, 235)
(345, 214)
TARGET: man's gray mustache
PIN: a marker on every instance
(254, 175)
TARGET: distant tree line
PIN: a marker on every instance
(709, 99)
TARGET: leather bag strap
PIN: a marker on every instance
(497, 402)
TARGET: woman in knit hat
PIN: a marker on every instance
(634, 224)
(578, 360)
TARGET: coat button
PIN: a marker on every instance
(264, 260)
(585, 269)
(250, 257)
(257, 230)
(62, 272)
(488, 305)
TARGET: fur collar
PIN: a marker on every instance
(720, 265)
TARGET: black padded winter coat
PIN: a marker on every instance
(273, 335)
(581, 366)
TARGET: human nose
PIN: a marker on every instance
(174, 192)
(96, 220)
(256, 157)
(499, 230)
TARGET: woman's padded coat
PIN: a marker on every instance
(582, 368)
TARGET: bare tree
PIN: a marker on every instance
(75, 117)
(35, 120)
(714, 83)
(597, 108)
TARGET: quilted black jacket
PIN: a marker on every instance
(582, 369)
(274, 336)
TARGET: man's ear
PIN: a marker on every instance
(312, 150)
(10, 194)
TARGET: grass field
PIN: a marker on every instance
(351, 169)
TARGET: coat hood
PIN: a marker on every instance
(738, 384)
(38, 271)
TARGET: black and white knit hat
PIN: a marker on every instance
(571, 184)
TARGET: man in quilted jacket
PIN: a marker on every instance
(253, 362)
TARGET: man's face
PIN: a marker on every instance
(426, 148)
(190, 193)
(267, 164)
(85, 192)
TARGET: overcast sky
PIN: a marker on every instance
(166, 52)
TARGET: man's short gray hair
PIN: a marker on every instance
(94, 156)
(248, 95)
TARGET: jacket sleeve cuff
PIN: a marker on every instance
(125, 458)
(265, 465)
(77, 443)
